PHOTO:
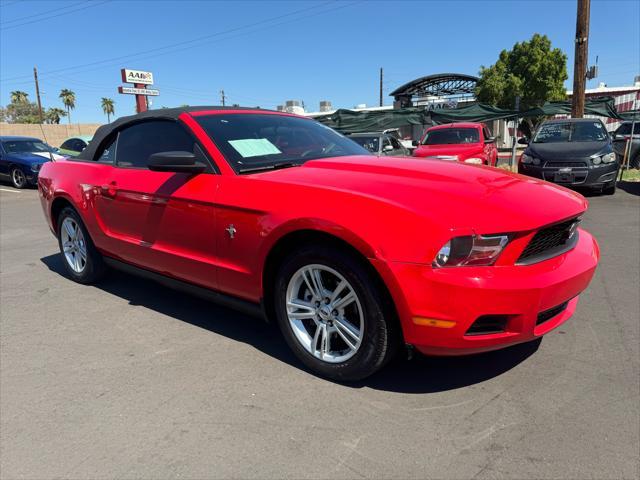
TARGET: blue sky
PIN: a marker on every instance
(263, 53)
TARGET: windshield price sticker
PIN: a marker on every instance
(254, 147)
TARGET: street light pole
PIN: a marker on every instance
(580, 61)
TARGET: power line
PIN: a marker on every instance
(91, 5)
(173, 45)
(41, 13)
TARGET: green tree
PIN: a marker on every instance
(68, 100)
(18, 96)
(53, 115)
(532, 70)
(108, 107)
(22, 112)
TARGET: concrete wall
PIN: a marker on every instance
(53, 134)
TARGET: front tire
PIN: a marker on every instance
(332, 314)
(18, 178)
(81, 259)
(610, 189)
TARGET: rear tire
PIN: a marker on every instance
(81, 259)
(362, 335)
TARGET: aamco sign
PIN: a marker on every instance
(136, 76)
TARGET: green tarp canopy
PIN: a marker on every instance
(631, 115)
(350, 121)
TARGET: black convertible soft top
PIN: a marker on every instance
(163, 113)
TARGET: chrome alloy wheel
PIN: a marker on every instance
(18, 177)
(73, 245)
(324, 313)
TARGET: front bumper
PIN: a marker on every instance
(587, 175)
(457, 297)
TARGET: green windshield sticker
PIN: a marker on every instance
(254, 147)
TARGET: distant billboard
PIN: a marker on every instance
(139, 91)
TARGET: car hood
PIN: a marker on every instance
(566, 150)
(32, 157)
(486, 199)
(462, 150)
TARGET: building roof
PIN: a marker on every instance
(438, 85)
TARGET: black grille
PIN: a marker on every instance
(547, 239)
(565, 164)
(552, 312)
(487, 324)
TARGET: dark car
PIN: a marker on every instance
(575, 152)
(380, 144)
(21, 159)
(620, 138)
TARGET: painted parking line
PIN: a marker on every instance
(7, 190)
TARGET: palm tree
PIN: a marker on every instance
(53, 115)
(68, 100)
(108, 107)
(19, 97)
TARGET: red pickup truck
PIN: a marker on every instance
(462, 142)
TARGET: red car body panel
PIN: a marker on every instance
(485, 151)
(397, 212)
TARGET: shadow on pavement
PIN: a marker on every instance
(630, 187)
(419, 375)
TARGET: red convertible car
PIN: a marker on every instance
(353, 255)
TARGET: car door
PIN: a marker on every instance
(161, 221)
(398, 149)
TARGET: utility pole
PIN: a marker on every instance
(580, 64)
(35, 77)
(223, 97)
(381, 76)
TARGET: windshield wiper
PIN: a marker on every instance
(275, 166)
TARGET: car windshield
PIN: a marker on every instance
(625, 129)
(370, 143)
(450, 136)
(260, 141)
(25, 146)
(558, 132)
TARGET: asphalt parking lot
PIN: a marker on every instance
(131, 380)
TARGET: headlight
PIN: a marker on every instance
(35, 167)
(477, 250)
(536, 161)
(526, 158)
(609, 158)
(474, 161)
(596, 160)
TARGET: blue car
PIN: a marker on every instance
(21, 159)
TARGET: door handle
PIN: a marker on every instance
(109, 190)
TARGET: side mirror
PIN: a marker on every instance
(523, 141)
(387, 148)
(182, 162)
(490, 140)
(415, 143)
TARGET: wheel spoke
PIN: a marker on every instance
(344, 327)
(326, 342)
(300, 310)
(344, 301)
(344, 337)
(76, 262)
(69, 229)
(316, 337)
(341, 286)
(310, 280)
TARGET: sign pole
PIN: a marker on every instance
(141, 100)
